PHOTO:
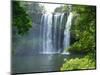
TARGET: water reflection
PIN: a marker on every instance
(37, 63)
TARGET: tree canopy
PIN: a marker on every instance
(83, 30)
(21, 19)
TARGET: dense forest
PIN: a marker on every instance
(84, 38)
(83, 31)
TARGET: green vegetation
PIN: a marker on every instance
(84, 33)
(85, 62)
(84, 29)
(21, 19)
(24, 14)
(62, 9)
(33, 9)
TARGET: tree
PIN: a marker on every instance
(83, 29)
(20, 18)
(62, 9)
(22, 23)
(35, 10)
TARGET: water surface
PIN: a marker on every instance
(37, 63)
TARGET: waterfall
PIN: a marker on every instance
(67, 31)
(56, 17)
(60, 27)
(48, 35)
(51, 33)
(47, 31)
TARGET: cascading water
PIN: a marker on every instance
(56, 17)
(60, 27)
(67, 31)
(47, 26)
(51, 33)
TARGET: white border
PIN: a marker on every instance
(5, 38)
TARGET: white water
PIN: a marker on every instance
(61, 19)
(51, 36)
(67, 32)
(47, 41)
(56, 16)
(49, 46)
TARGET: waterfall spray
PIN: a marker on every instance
(51, 32)
(67, 31)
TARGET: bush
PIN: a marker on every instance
(85, 62)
